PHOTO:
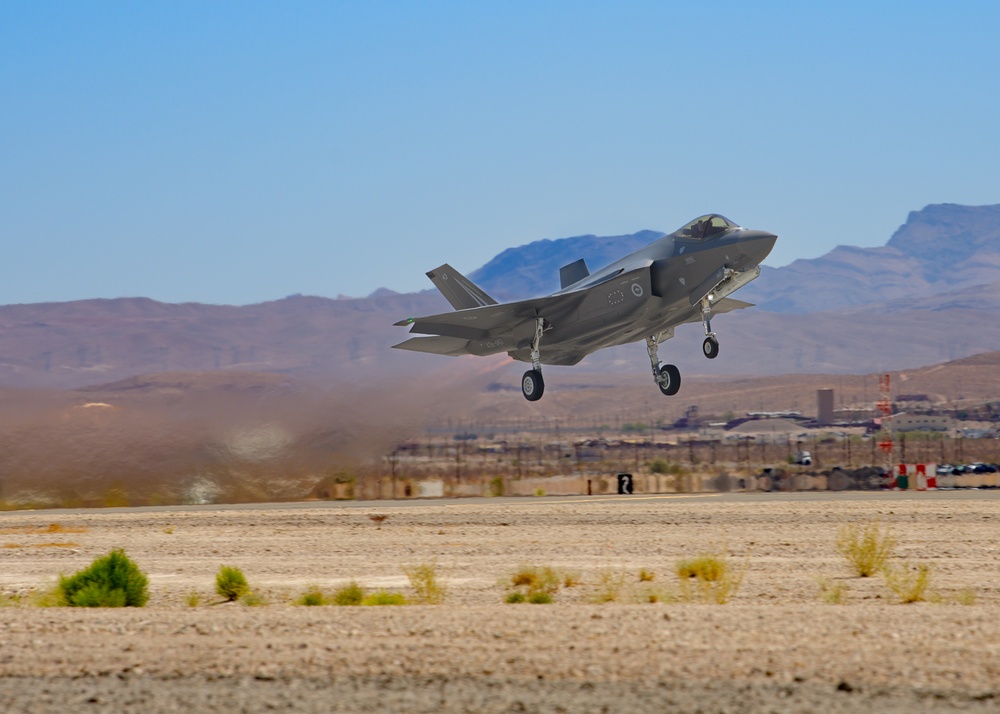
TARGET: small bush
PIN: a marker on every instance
(659, 466)
(540, 598)
(312, 597)
(111, 581)
(708, 579)
(515, 596)
(646, 576)
(867, 549)
(424, 581)
(570, 579)
(230, 583)
(349, 595)
(383, 597)
(908, 583)
(193, 599)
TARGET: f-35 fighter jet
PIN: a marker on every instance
(686, 276)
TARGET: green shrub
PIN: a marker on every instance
(350, 594)
(514, 597)
(424, 581)
(313, 596)
(540, 598)
(230, 583)
(383, 597)
(659, 466)
(867, 549)
(111, 581)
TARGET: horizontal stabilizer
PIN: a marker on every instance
(451, 346)
(573, 273)
(457, 289)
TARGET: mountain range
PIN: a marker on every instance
(930, 294)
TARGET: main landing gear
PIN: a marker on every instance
(668, 377)
(532, 384)
(710, 347)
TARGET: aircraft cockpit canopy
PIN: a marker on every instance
(705, 227)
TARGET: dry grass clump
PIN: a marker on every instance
(909, 583)
(425, 583)
(609, 585)
(708, 579)
(866, 548)
(966, 596)
(832, 593)
(535, 584)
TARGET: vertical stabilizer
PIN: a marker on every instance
(457, 289)
(573, 273)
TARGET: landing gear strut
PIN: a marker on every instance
(710, 347)
(668, 377)
(532, 384)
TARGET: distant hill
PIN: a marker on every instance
(939, 249)
(931, 294)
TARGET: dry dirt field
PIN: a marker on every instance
(776, 646)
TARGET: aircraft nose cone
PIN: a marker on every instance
(758, 244)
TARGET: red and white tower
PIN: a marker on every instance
(884, 406)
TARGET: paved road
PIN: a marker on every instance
(530, 501)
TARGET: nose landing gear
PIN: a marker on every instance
(710, 347)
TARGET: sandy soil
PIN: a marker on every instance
(777, 646)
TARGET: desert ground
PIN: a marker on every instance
(779, 644)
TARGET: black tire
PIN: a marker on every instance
(532, 385)
(710, 347)
(673, 380)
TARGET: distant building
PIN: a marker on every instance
(921, 422)
(824, 404)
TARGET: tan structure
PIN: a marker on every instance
(824, 404)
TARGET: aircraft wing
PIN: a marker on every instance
(452, 331)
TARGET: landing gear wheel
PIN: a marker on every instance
(670, 380)
(532, 385)
(710, 347)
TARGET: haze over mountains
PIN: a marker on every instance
(930, 294)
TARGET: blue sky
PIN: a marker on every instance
(241, 152)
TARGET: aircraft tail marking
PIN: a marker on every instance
(457, 289)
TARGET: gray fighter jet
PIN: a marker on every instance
(686, 276)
